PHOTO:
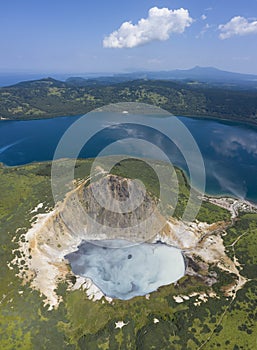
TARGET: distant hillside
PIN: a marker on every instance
(207, 75)
(49, 98)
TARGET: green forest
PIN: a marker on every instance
(51, 98)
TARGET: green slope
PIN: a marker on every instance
(49, 98)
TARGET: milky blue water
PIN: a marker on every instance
(123, 270)
(229, 149)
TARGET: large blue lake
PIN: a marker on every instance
(229, 149)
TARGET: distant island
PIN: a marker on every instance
(203, 92)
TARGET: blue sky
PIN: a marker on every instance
(64, 36)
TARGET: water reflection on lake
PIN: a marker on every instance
(229, 149)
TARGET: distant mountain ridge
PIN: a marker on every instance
(49, 97)
(209, 75)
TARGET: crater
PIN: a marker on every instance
(111, 251)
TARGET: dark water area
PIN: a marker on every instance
(8, 79)
(11, 79)
(229, 150)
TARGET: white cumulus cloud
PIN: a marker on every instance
(159, 25)
(237, 26)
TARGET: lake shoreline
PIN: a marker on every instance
(200, 117)
(221, 144)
